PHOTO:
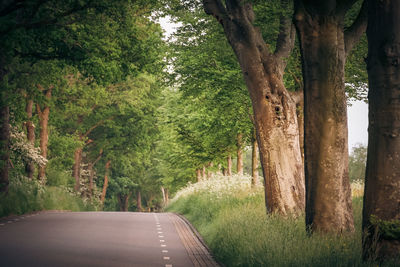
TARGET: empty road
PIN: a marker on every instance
(100, 239)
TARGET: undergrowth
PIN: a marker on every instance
(238, 231)
(26, 196)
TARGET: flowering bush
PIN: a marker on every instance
(24, 150)
(219, 186)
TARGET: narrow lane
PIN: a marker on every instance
(92, 239)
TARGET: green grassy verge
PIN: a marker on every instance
(239, 233)
(28, 196)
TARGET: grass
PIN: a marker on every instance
(239, 233)
(26, 196)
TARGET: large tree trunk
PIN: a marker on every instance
(323, 47)
(239, 143)
(105, 184)
(381, 214)
(229, 165)
(273, 107)
(254, 162)
(139, 201)
(44, 132)
(203, 173)
(30, 132)
(4, 143)
(76, 169)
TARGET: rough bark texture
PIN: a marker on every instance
(30, 133)
(382, 185)
(44, 132)
(229, 167)
(274, 109)
(76, 168)
(139, 201)
(4, 142)
(254, 163)
(198, 175)
(239, 144)
(322, 40)
(105, 184)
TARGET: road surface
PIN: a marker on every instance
(100, 239)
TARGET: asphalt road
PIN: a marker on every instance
(92, 239)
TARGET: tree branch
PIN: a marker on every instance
(353, 34)
(96, 125)
(215, 8)
(287, 33)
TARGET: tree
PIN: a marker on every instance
(381, 214)
(325, 43)
(274, 107)
(357, 162)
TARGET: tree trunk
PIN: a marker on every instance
(198, 175)
(209, 172)
(273, 107)
(254, 162)
(203, 173)
(123, 202)
(139, 201)
(229, 167)
(76, 169)
(381, 213)
(44, 132)
(105, 185)
(91, 173)
(239, 144)
(30, 132)
(4, 143)
(323, 47)
(165, 195)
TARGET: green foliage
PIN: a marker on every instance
(357, 163)
(389, 230)
(29, 195)
(239, 233)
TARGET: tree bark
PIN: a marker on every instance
(273, 108)
(30, 133)
(44, 132)
(91, 173)
(105, 184)
(381, 213)
(76, 169)
(165, 195)
(323, 48)
(203, 173)
(123, 202)
(198, 175)
(139, 201)
(254, 162)
(229, 167)
(4, 143)
(209, 172)
(239, 144)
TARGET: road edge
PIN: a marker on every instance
(193, 248)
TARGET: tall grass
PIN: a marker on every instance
(28, 195)
(237, 229)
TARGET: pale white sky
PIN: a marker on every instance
(357, 113)
(357, 119)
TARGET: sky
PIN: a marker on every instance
(357, 113)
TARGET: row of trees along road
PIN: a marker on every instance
(79, 77)
(327, 33)
(89, 74)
